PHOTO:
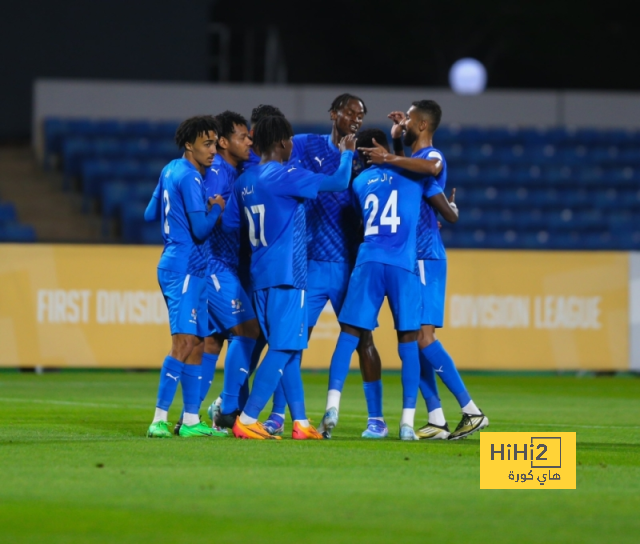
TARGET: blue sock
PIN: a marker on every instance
(266, 381)
(373, 394)
(428, 385)
(169, 377)
(209, 362)
(443, 364)
(410, 375)
(341, 360)
(279, 400)
(255, 359)
(292, 389)
(237, 365)
(191, 376)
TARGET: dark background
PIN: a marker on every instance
(561, 44)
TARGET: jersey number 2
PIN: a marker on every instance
(259, 210)
(389, 215)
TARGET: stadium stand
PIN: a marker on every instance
(518, 188)
(10, 228)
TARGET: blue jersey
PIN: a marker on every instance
(390, 204)
(181, 191)
(271, 197)
(224, 243)
(251, 161)
(333, 223)
(430, 246)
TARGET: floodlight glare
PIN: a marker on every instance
(468, 76)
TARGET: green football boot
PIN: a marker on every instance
(159, 429)
(199, 429)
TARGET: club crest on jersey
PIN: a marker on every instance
(236, 304)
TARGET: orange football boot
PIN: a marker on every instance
(305, 433)
(255, 431)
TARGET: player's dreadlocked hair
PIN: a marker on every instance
(270, 131)
(227, 121)
(341, 101)
(264, 110)
(430, 108)
(365, 138)
(193, 127)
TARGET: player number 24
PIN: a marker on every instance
(259, 210)
(389, 215)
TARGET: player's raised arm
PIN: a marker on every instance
(339, 180)
(380, 155)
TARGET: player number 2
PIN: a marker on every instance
(389, 215)
(167, 207)
(259, 210)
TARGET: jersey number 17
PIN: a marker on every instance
(389, 215)
(258, 210)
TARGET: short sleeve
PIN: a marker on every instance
(192, 193)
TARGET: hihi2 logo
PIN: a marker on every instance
(541, 460)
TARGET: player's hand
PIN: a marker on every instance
(217, 200)
(348, 143)
(377, 154)
(396, 129)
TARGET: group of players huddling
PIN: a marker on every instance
(262, 228)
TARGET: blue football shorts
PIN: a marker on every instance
(282, 314)
(433, 283)
(186, 299)
(326, 281)
(369, 284)
(228, 304)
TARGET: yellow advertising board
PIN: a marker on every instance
(100, 306)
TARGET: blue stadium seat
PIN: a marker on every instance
(13, 232)
(132, 221)
(7, 213)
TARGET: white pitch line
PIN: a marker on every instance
(72, 403)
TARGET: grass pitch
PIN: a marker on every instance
(76, 468)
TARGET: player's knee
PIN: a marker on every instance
(407, 336)
(247, 329)
(182, 345)
(213, 345)
(426, 337)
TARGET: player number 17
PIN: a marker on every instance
(259, 210)
(389, 215)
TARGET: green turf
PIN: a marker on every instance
(76, 468)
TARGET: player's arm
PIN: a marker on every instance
(446, 207)
(301, 183)
(202, 223)
(379, 155)
(339, 180)
(231, 216)
(154, 209)
(201, 219)
(396, 132)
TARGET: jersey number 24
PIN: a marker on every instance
(389, 215)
